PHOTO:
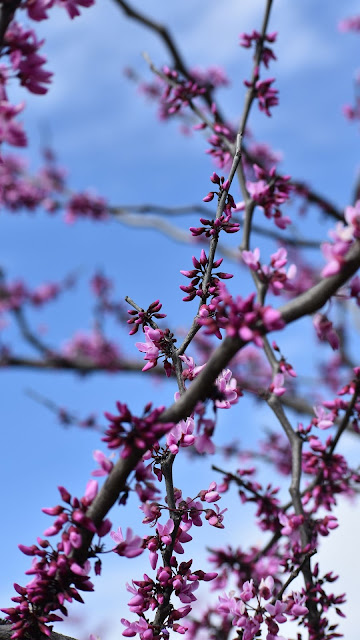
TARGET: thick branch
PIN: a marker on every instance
(315, 298)
(6, 632)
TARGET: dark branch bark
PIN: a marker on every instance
(7, 12)
(6, 631)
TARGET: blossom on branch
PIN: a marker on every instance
(131, 546)
(237, 316)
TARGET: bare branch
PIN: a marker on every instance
(136, 215)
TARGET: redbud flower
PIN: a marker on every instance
(209, 197)
(131, 546)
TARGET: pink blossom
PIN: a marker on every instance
(277, 611)
(251, 258)
(267, 54)
(91, 491)
(150, 348)
(324, 419)
(325, 330)
(215, 517)
(352, 217)
(350, 24)
(86, 205)
(165, 531)
(25, 59)
(181, 435)
(192, 371)
(213, 76)
(227, 387)
(130, 547)
(104, 462)
(267, 96)
(211, 495)
(248, 591)
(266, 587)
(72, 6)
(242, 317)
(11, 131)
(140, 626)
(93, 348)
(203, 442)
(276, 386)
(335, 252)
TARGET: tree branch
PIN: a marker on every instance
(6, 633)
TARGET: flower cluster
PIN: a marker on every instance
(218, 149)
(248, 612)
(197, 274)
(86, 205)
(240, 317)
(212, 77)
(19, 190)
(144, 318)
(266, 95)
(129, 433)
(13, 295)
(276, 448)
(149, 594)
(342, 237)
(350, 24)
(336, 476)
(22, 47)
(92, 349)
(270, 191)
(11, 131)
(181, 435)
(57, 575)
(274, 276)
(37, 9)
(157, 343)
(224, 395)
(131, 546)
(178, 92)
(152, 347)
(248, 39)
(174, 578)
(224, 186)
(213, 227)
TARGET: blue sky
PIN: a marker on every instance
(109, 138)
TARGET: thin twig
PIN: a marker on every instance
(296, 470)
(213, 246)
(169, 42)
